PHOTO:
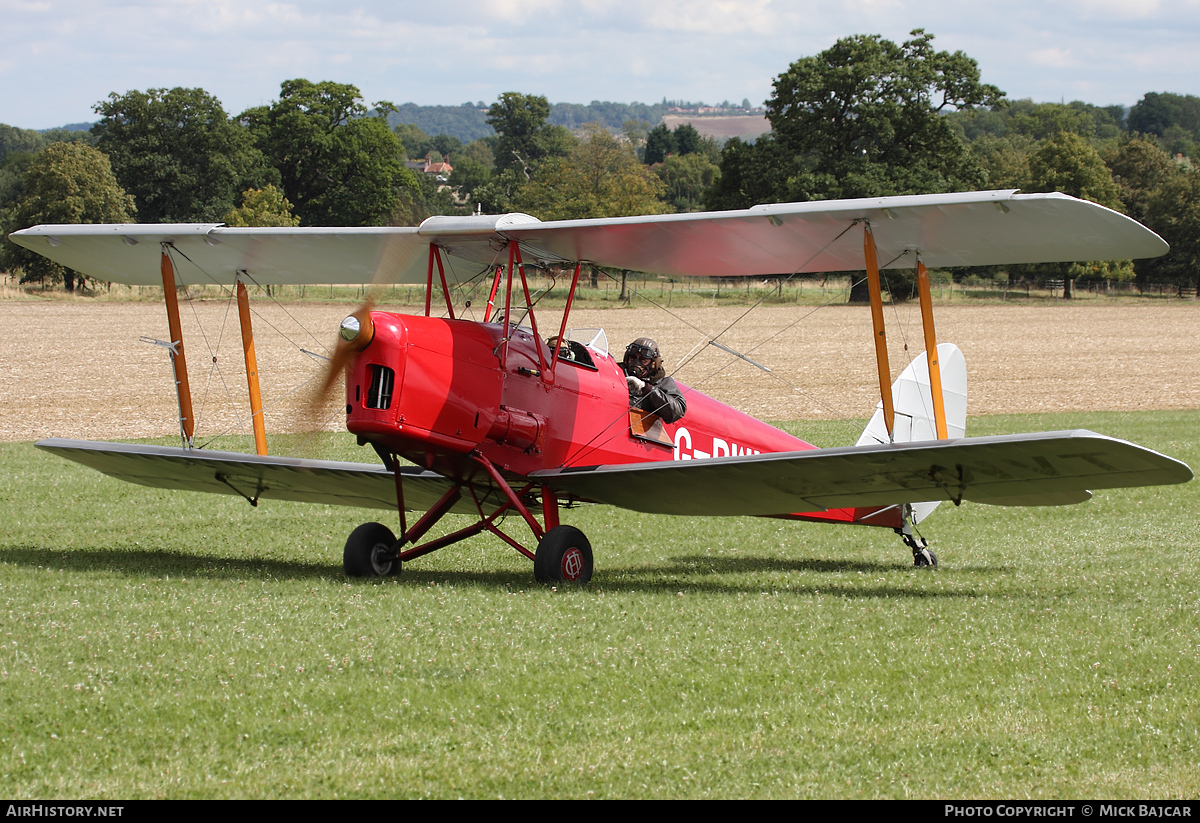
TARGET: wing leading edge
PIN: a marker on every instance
(1020, 469)
(267, 478)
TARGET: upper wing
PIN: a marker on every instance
(1018, 469)
(266, 478)
(963, 229)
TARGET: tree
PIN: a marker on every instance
(866, 118)
(1173, 118)
(862, 119)
(1005, 159)
(600, 178)
(262, 207)
(687, 139)
(1174, 212)
(1042, 120)
(686, 179)
(1157, 113)
(636, 132)
(178, 154)
(524, 138)
(22, 141)
(1068, 164)
(660, 143)
(338, 166)
(64, 183)
(523, 143)
(1139, 168)
(751, 173)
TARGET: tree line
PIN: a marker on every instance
(865, 118)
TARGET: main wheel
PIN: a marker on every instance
(564, 555)
(371, 552)
(924, 559)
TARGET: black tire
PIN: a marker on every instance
(921, 561)
(364, 546)
(564, 555)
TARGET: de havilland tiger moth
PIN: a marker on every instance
(494, 417)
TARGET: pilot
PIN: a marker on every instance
(650, 389)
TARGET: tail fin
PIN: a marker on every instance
(913, 404)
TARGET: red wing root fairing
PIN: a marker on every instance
(502, 419)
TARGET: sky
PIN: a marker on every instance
(59, 57)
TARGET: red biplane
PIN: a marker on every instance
(496, 417)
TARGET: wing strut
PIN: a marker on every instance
(881, 354)
(931, 355)
(562, 329)
(256, 406)
(183, 391)
(435, 253)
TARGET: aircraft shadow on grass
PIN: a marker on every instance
(158, 564)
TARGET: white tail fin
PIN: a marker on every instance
(913, 403)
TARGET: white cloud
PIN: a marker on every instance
(1054, 58)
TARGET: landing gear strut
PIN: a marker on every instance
(563, 554)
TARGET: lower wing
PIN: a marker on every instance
(266, 478)
(1015, 470)
(1051, 468)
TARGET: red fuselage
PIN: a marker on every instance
(453, 389)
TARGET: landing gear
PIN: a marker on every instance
(564, 555)
(922, 556)
(371, 551)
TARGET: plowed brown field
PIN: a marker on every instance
(78, 369)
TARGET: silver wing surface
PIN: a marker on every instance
(962, 229)
(1020, 469)
(267, 478)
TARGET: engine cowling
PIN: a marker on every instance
(424, 386)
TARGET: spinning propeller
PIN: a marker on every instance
(356, 331)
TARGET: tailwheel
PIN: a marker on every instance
(371, 551)
(922, 556)
(564, 555)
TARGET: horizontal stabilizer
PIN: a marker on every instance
(256, 477)
(1014, 469)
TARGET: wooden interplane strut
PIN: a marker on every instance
(183, 391)
(256, 406)
(931, 352)
(881, 353)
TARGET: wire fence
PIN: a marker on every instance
(611, 290)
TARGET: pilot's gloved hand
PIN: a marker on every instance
(635, 383)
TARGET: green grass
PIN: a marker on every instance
(157, 644)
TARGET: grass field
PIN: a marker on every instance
(157, 644)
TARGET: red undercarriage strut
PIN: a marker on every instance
(486, 522)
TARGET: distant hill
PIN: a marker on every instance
(466, 122)
(469, 121)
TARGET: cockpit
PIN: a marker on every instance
(578, 346)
